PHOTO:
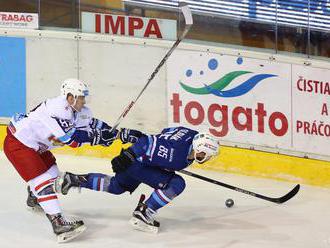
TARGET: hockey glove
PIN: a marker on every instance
(102, 137)
(129, 135)
(98, 124)
(123, 161)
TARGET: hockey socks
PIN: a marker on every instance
(161, 197)
(97, 182)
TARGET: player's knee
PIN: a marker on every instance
(177, 184)
(115, 188)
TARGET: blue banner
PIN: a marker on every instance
(12, 76)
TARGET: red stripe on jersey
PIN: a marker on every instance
(43, 184)
(50, 181)
(48, 198)
(74, 144)
(12, 128)
(98, 183)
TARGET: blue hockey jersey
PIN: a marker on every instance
(168, 150)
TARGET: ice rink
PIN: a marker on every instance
(198, 218)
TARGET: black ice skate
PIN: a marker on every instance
(65, 229)
(67, 180)
(143, 218)
(32, 202)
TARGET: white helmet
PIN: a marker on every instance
(74, 87)
(204, 142)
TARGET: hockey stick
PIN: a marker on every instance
(189, 22)
(278, 200)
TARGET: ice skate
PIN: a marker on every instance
(143, 218)
(66, 230)
(66, 181)
(32, 202)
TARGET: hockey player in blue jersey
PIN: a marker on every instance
(152, 160)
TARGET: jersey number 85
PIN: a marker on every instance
(162, 152)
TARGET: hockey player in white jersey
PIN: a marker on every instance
(59, 121)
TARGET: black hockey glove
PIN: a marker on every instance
(98, 124)
(102, 137)
(129, 135)
(123, 161)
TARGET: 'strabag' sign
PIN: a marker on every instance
(19, 20)
(129, 26)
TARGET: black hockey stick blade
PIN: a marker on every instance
(288, 196)
(278, 200)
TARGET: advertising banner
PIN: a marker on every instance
(311, 109)
(248, 101)
(129, 26)
(12, 76)
(19, 20)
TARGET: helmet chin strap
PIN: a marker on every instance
(74, 103)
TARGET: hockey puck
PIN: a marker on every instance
(229, 203)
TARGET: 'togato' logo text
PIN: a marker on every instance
(242, 118)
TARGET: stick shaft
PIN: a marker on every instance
(188, 18)
(278, 200)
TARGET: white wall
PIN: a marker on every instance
(115, 72)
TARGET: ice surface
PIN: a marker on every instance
(197, 218)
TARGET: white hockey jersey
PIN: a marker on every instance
(51, 124)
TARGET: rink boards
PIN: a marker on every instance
(234, 160)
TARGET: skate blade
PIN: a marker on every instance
(36, 209)
(141, 226)
(65, 237)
